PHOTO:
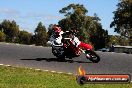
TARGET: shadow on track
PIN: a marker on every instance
(56, 60)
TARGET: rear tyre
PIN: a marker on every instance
(93, 56)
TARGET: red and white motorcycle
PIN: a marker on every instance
(68, 50)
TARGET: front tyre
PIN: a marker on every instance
(94, 57)
(59, 55)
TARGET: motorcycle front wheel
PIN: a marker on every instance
(58, 55)
(92, 56)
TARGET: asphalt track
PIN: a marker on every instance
(42, 58)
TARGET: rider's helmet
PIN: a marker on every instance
(56, 30)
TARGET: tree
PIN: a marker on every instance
(2, 36)
(40, 36)
(88, 26)
(24, 37)
(122, 21)
(50, 30)
(11, 29)
(118, 40)
(1, 29)
(99, 37)
(75, 17)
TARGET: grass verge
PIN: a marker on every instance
(13, 77)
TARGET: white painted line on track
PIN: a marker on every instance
(37, 69)
(1, 64)
(46, 70)
(53, 71)
(76, 74)
(60, 72)
(8, 65)
(70, 73)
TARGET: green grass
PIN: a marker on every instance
(12, 77)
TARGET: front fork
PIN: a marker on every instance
(85, 52)
(82, 50)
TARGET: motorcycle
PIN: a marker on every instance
(68, 50)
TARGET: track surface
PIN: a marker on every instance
(42, 58)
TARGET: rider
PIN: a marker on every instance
(56, 36)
